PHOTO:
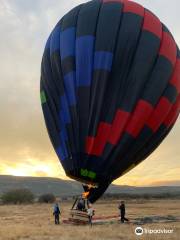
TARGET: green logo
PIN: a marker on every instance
(89, 174)
(43, 97)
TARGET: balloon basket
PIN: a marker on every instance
(78, 212)
(77, 217)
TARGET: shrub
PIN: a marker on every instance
(47, 198)
(17, 196)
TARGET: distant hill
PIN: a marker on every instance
(59, 187)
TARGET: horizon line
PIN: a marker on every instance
(171, 183)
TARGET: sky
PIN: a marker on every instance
(25, 149)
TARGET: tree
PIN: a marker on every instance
(17, 196)
(47, 198)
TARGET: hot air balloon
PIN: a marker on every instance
(110, 89)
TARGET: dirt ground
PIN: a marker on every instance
(35, 222)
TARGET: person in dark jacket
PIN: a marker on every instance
(122, 209)
(56, 213)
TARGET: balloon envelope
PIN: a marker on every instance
(110, 87)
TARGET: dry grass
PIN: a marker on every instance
(35, 222)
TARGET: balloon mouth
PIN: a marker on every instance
(88, 188)
(93, 188)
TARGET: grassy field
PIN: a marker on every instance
(35, 222)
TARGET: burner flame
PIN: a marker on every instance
(85, 195)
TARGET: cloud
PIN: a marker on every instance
(165, 183)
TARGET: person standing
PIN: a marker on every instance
(90, 213)
(56, 213)
(122, 209)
